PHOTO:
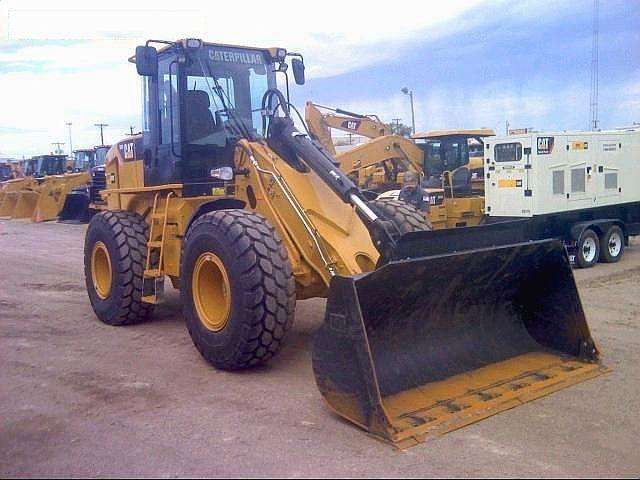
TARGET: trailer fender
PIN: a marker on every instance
(600, 226)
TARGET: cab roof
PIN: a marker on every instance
(271, 51)
(479, 132)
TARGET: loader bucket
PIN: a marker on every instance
(25, 204)
(8, 205)
(76, 208)
(53, 193)
(423, 346)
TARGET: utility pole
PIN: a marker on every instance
(101, 125)
(58, 150)
(68, 124)
(593, 101)
(131, 129)
(406, 91)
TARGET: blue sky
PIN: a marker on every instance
(470, 63)
(531, 68)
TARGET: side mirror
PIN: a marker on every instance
(146, 61)
(298, 70)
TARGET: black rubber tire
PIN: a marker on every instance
(261, 283)
(406, 217)
(581, 261)
(605, 254)
(125, 237)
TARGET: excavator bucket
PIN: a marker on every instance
(428, 344)
(53, 193)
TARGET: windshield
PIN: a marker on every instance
(445, 154)
(101, 155)
(223, 97)
(82, 160)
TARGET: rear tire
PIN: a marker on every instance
(612, 245)
(588, 251)
(115, 252)
(237, 288)
(404, 216)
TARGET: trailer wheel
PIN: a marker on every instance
(237, 288)
(612, 245)
(115, 251)
(588, 252)
(403, 215)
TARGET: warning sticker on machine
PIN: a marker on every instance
(509, 183)
(545, 145)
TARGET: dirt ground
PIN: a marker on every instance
(79, 398)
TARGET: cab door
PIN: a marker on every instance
(161, 159)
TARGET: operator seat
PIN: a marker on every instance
(461, 182)
(199, 120)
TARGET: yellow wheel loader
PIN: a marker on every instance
(245, 214)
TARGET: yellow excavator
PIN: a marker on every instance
(453, 180)
(41, 193)
(245, 214)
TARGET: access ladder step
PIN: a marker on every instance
(153, 273)
(153, 299)
(157, 216)
(155, 244)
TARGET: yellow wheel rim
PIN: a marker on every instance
(101, 272)
(211, 292)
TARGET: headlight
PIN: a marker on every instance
(223, 173)
(281, 53)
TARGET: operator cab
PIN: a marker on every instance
(83, 159)
(43, 165)
(199, 100)
(450, 151)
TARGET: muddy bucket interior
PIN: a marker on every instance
(76, 208)
(425, 346)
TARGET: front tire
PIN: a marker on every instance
(238, 290)
(612, 245)
(403, 215)
(115, 253)
(588, 251)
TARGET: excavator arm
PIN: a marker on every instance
(320, 124)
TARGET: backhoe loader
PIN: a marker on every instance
(450, 176)
(245, 214)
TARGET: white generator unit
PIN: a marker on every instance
(583, 187)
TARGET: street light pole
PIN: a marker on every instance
(406, 91)
(68, 124)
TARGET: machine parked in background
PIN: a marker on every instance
(580, 187)
(452, 179)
